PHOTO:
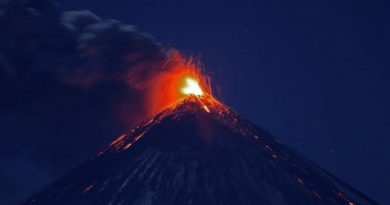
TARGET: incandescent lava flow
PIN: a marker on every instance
(198, 151)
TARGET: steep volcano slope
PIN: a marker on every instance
(198, 152)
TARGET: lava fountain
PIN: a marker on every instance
(192, 87)
(180, 80)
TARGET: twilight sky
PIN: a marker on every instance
(315, 74)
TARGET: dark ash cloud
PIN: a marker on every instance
(69, 83)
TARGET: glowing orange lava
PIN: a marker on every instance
(182, 78)
(191, 87)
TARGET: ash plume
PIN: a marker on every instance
(70, 81)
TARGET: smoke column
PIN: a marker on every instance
(70, 82)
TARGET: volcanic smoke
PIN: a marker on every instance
(189, 149)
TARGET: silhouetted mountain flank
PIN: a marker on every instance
(198, 152)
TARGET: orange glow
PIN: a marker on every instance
(206, 108)
(134, 140)
(181, 78)
(191, 87)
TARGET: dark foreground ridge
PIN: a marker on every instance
(198, 152)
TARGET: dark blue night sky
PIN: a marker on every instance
(315, 74)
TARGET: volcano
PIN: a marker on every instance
(198, 151)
